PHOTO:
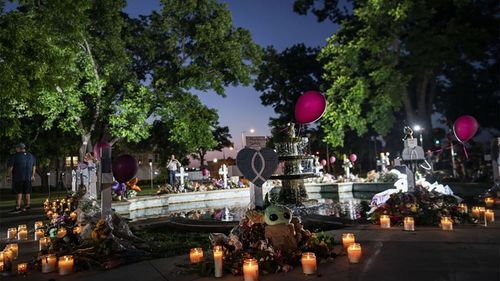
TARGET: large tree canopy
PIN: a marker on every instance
(86, 67)
(408, 55)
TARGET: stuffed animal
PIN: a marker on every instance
(300, 232)
(278, 228)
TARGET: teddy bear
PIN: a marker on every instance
(279, 229)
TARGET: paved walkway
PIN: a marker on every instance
(470, 252)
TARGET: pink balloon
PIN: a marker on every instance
(323, 162)
(310, 107)
(97, 148)
(353, 157)
(465, 127)
(332, 159)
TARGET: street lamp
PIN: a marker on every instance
(251, 131)
(48, 182)
(419, 129)
(215, 160)
(151, 172)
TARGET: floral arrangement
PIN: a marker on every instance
(426, 207)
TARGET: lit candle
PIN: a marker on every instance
(22, 226)
(65, 265)
(77, 229)
(14, 248)
(61, 232)
(12, 233)
(1, 264)
(44, 243)
(354, 253)
(348, 239)
(218, 253)
(463, 208)
(308, 260)
(38, 224)
(489, 202)
(409, 224)
(49, 214)
(250, 270)
(476, 212)
(481, 212)
(385, 221)
(196, 255)
(8, 257)
(49, 263)
(446, 223)
(73, 215)
(22, 234)
(22, 268)
(39, 233)
(489, 215)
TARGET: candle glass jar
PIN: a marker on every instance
(354, 253)
(250, 270)
(347, 239)
(65, 265)
(196, 255)
(409, 224)
(309, 264)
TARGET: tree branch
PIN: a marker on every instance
(99, 92)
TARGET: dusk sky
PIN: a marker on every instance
(271, 23)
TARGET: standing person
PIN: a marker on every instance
(22, 168)
(172, 168)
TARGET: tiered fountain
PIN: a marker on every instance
(297, 167)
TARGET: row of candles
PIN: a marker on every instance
(65, 263)
(251, 266)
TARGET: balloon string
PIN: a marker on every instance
(465, 151)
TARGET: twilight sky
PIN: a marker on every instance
(271, 22)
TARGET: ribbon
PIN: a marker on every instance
(258, 175)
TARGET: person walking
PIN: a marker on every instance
(21, 170)
(172, 166)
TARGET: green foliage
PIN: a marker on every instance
(390, 56)
(102, 74)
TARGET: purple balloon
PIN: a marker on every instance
(310, 107)
(332, 159)
(353, 157)
(119, 188)
(323, 162)
(205, 172)
(124, 168)
(465, 127)
(97, 148)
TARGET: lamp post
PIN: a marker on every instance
(48, 181)
(419, 129)
(151, 172)
(251, 131)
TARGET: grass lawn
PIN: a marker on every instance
(37, 197)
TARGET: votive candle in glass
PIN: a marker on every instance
(61, 232)
(196, 255)
(38, 224)
(14, 248)
(309, 264)
(65, 265)
(385, 221)
(446, 223)
(8, 258)
(463, 208)
(49, 263)
(12, 233)
(489, 215)
(43, 243)
(77, 229)
(476, 212)
(348, 239)
(39, 233)
(250, 270)
(354, 253)
(73, 215)
(409, 224)
(22, 268)
(22, 234)
(489, 201)
(218, 254)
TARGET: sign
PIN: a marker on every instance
(256, 142)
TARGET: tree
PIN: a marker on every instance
(283, 77)
(88, 68)
(400, 55)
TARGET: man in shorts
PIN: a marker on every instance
(22, 168)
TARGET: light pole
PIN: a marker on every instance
(151, 172)
(419, 129)
(48, 182)
(251, 131)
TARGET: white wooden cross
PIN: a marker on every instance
(181, 177)
(223, 171)
(347, 168)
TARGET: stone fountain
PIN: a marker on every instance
(297, 166)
